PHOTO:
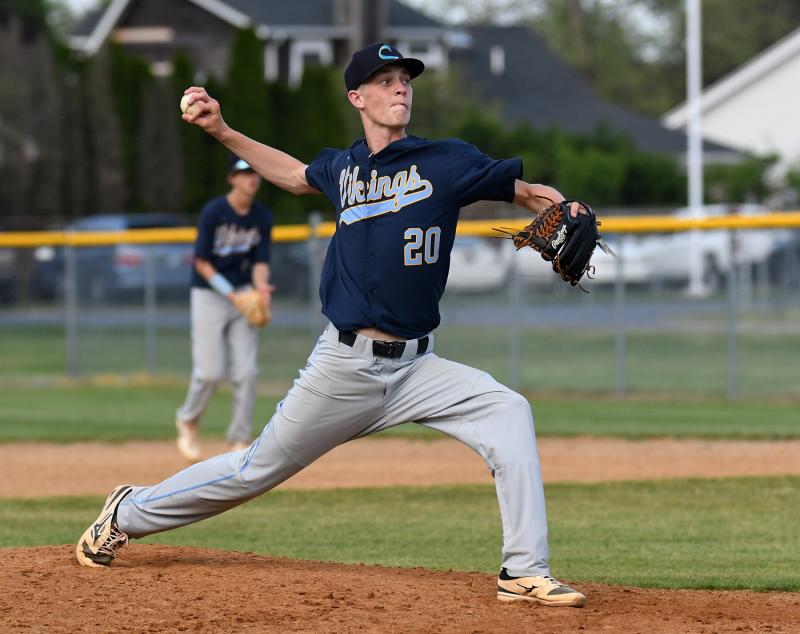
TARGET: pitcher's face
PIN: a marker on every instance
(385, 97)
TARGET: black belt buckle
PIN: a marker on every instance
(388, 349)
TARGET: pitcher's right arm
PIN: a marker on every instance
(275, 166)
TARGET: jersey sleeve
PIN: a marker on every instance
(262, 253)
(204, 243)
(319, 173)
(476, 176)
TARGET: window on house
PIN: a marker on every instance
(497, 60)
(143, 35)
(162, 68)
(418, 48)
(308, 53)
(431, 52)
(312, 59)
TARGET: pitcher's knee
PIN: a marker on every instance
(266, 464)
(515, 407)
(513, 438)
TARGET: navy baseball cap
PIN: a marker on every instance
(372, 58)
(235, 164)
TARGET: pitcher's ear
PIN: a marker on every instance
(355, 99)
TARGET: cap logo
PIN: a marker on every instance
(385, 52)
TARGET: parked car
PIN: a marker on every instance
(290, 265)
(627, 254)
(9, 287)
(668, 256)
(783, 264)
(106, 272)
(478, 265)
(533, 269)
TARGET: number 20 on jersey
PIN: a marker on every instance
(421, 246)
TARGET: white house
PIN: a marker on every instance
(756, 108)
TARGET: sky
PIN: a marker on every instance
(78, 6)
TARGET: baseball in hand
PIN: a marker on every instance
(186, 108)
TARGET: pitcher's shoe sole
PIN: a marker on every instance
(98, 545)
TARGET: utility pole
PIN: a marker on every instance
(694, 165)
(367, 20)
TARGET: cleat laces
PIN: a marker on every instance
(116, 540)
(554, 581)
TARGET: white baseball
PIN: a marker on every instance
(185, 107)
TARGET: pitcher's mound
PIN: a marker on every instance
(168, 589)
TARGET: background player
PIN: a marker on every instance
(231, 252)
(397, 200)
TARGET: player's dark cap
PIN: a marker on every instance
(372, 58)
(235, 164)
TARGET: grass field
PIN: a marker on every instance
(675, 363)
(733, 533)
(65, 413)
(716, 533)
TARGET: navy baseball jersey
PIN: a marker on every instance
(396, 213)
(232, 242)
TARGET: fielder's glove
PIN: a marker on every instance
(565, 241)
(252, 305)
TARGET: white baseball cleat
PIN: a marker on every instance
(99, 543)
(188, 440)
(542, 589)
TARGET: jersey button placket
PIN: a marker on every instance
(369, 281)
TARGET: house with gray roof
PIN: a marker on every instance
(510, 66)
(755, 107)
(295, 34)
(514, 68)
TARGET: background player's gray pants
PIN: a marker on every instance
(344, 393)
(220, 331)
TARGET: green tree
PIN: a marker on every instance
(439, 99)
(246, 104)
(33, 13)
(306, 119)
(16, 141)
(106, 152)
(483, 128)
(652, 179)
(160, 172)
(590, 173)
(203, 159)
(745, 181)
(45, 94)
(130, 79)
(633, 51)
(733, 30)
(74, 191)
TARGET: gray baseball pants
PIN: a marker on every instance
(220, 331)
(347, 392)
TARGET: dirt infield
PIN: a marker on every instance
(32, 470)
(167, 589)
(160, 589)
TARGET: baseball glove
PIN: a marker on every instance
(251, 304)
(565, 241)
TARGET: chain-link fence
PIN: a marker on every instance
(121, 310)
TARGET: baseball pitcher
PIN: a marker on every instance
(397, 199)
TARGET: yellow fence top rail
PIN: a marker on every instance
(299, 233)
